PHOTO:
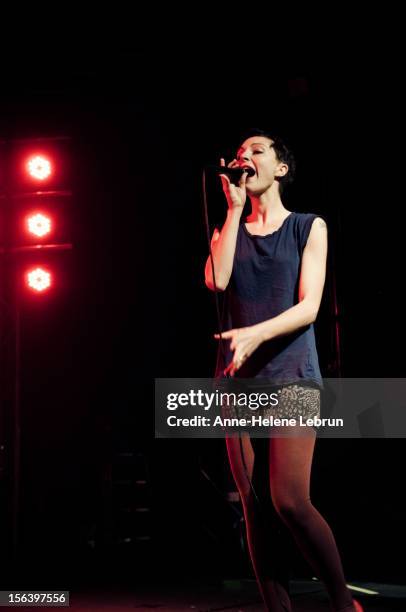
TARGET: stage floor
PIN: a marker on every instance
(229, 595)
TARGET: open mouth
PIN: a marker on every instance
(251, 170)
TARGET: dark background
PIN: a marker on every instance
(135, 307)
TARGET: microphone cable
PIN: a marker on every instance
(220, 323)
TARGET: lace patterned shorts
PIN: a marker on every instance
(294, 401)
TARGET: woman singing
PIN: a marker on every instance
(272, 268)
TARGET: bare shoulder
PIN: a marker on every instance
(318, 226)
(319, 222)
(318, 238)
(315, 222)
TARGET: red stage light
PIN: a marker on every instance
(38, 224)
(39, 167)
(38, 279)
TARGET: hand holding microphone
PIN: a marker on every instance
(236, 195)
(234, 173)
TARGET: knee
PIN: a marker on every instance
(292, 509)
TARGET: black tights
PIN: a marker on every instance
(288, 509)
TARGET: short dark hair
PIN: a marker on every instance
(282, 151)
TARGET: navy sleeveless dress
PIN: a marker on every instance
(264, 283)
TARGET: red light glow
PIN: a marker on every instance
(38, 224)
(38, 280)
(39, 167)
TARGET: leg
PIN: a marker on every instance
(264, 539)
(290, 470)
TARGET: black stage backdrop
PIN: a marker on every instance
(143, 126)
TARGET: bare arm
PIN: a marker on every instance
(223, 249)
(311, 285)
(223, 243)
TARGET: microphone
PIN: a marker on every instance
(233, 173)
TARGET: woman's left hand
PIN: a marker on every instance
(244, 341)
